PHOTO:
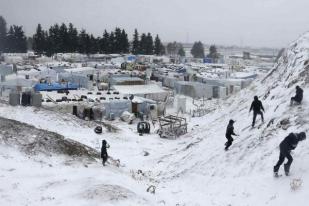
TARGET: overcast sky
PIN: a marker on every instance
(270, 23)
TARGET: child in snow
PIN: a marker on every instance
(104, 154)
(298, 97)
(288, 144)
(257, 106)
(229, 133)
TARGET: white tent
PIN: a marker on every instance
(149, 91)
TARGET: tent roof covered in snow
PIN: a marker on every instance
(243, 75)
(139, 89)
(18, 81)
(124, 80)
(82, 70)
(138, 100)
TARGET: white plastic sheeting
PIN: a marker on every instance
(193, 89)
(117, 107)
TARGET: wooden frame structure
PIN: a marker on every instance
(172, 126)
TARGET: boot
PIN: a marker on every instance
(287, 169)
(276, 174)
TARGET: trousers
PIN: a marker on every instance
(229, 142)
(255, 113)
(282, 156)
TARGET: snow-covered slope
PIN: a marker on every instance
(192, 170)
(39, 167)
(82, 183)
(202, 173)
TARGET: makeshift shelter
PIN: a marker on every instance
(213, 82)
(123, 80)
(13, 59)
(193, 89)
(81, 80)
(6, 69)
(169, 82)
(59, 69)
(55, 86)
(82, 70)
(15, 83)
(149, 91)
(144, 58)
(144, 106)
(244, 75)
(40, 73)
(116, 108)
(233, 85)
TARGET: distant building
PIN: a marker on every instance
(6, 69)
(193, 89)
(149, 91)
(123, 80)
(246, 55)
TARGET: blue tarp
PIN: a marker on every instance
(131, 58)
(55, 86)
(181, 70)
(207, 60)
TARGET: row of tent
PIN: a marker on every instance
(25, 99)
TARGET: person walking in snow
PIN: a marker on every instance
(229, 133)
(298, 97)
(289, 143)
(256, 106)
(104, 154)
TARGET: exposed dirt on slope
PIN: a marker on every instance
(37, 141)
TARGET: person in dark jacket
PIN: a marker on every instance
(104, 154)
(256, 106)
(289, 143)
(229, 133)
(298, 97)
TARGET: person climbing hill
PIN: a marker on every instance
(289, 143)
(229, 133)
(298, 97)
(104, 154)
(256, 106)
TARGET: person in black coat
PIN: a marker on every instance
(298, 97)
(229, 133)
(256, 106)
(289, 143)
(104, 154)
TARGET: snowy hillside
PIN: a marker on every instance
(202, 173)
(192, 170)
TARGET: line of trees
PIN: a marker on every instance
(144, 44)
(67, 39)
(64, 39)
(12, 40)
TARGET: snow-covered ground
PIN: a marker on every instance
(56, 183)
(201, 173)
(191, 170)
(47, 181)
